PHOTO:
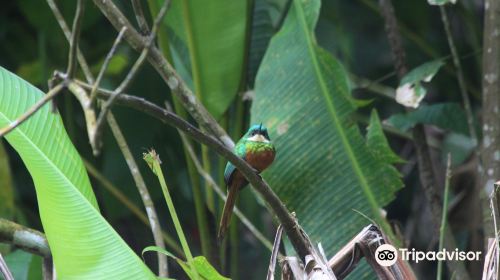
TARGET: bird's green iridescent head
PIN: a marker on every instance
(257, 133)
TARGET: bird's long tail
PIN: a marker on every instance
(227, 212)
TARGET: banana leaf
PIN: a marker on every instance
(83, 244)
(324, 168)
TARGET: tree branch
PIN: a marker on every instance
(139, 16)
(46, 98)
(108, 58)
(25, 238)
(75, 36)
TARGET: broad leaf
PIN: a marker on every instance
(324, 167)
(83, 244)
(448, 116)
(215, 35)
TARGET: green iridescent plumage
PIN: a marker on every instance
(256, 149)
(244, 146)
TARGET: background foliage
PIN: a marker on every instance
(299, 82)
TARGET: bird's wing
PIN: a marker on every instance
(239, 150)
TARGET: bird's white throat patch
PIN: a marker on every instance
(258, 138)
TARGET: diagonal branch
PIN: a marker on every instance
(75, 37)
(47, 97)
(108, 58)
(139, 16)
(29, 240)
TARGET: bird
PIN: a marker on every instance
(256, 148)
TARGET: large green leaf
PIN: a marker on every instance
(449, 116)
(83, 244)
(324, 167)
(215, 34)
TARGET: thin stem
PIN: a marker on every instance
(207, 165)
(139, 16)
(122, 198)
(39, 104)
(67, 33)
(274, 254)
(460, 76)
(143, 191)
(292, 228)
(4, 269)
(75, 36)
(199, 204)
(444, 217)
(107, 60)
(153, 160)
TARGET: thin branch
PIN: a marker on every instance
(4, 269)
(274, 254)
(75, 36)
(48, 269)
(67, 33)
(29, 240)
(444, 220)
(136, 211)
(178, 87)
(46, 98)
(110, 55)
(292, 228)
(139, 16)
(460, 76)
(132, 73)
(143, 191)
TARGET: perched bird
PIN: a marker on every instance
(256, 149)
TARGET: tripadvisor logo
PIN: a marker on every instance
(387, 255)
